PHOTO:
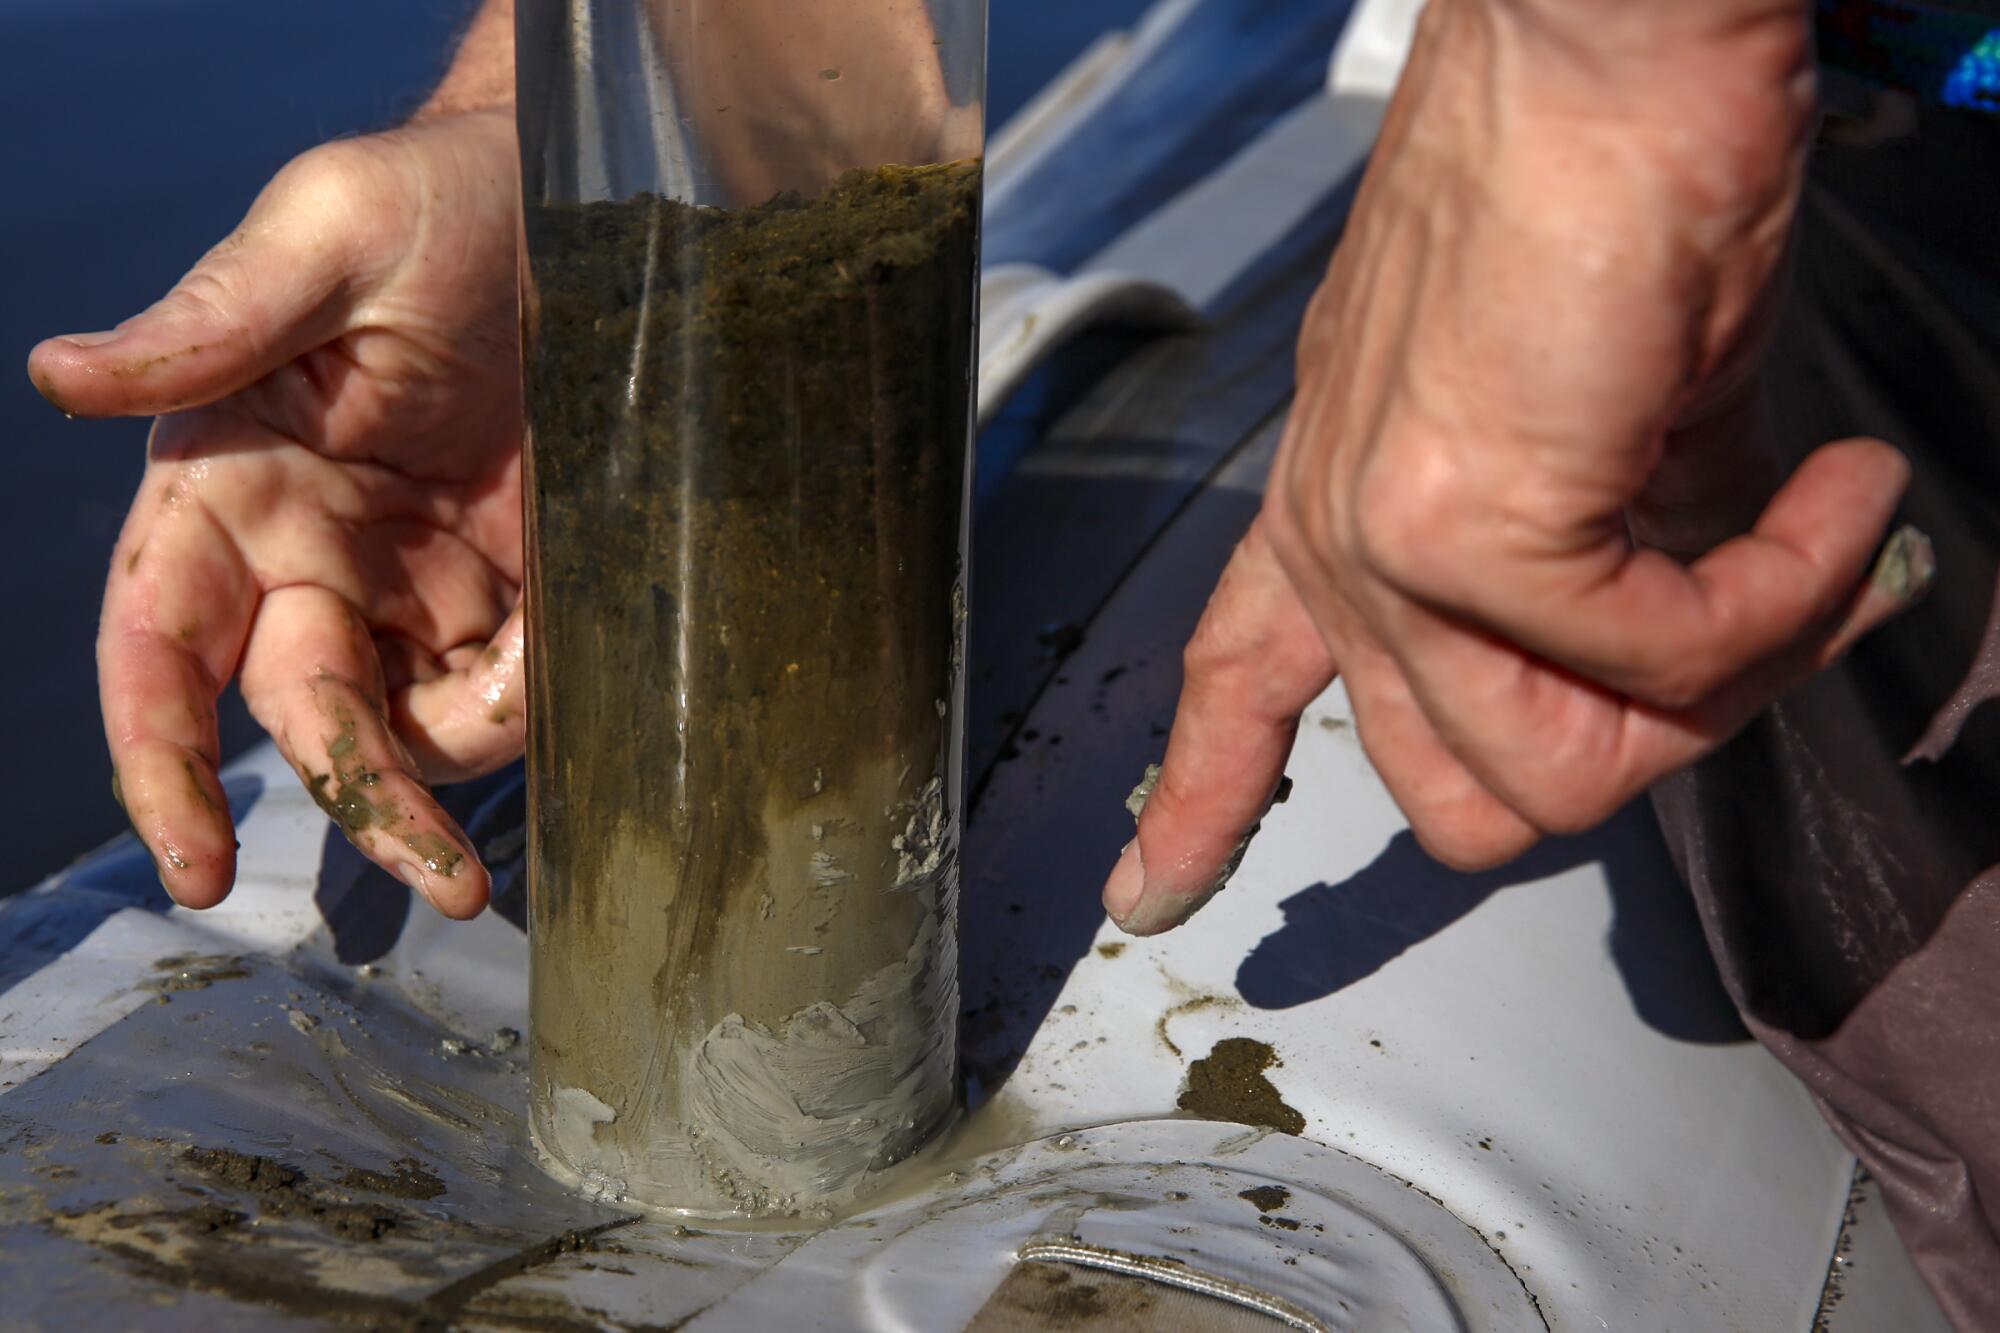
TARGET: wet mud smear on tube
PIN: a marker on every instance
(747, 488)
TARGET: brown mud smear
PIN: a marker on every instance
(186, 972)
(260, 1230)
(746, 491)
(1229, 1084)
(406, 1179)
(283, 1191)
(1193, 1005)
(212, 1249)
(351, 796)
(1266, 1198)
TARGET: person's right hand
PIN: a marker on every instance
(1518, 505)
(331, 508)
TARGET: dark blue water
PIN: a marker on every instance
(136, 132)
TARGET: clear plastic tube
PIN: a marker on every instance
(749, 307)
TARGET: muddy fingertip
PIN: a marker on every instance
(446, 874)
(1126, 885)
(194, 882)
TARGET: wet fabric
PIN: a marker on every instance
(1844, 849)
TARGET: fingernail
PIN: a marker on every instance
(412, 874)
(1127, 884)
(1137, 911)
(1907, 565)
(165, 858)
(47, 389)
(91, 339)
(1161, 911)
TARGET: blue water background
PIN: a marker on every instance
(133, 134)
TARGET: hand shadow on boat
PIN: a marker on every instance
(1338, 934)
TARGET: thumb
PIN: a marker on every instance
(1255, 661)
(275, 288)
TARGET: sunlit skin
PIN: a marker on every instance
(787, 96)
(1537, 340)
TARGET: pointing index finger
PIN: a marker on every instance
(1255, 661)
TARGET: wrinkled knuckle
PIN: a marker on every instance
(1567, 808)
(1170, 799)
(323, 178)
(1673, 682)
(1210, 651)
(1298, 525)
(207, 294)
(1463, 845)
(1405, 523)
